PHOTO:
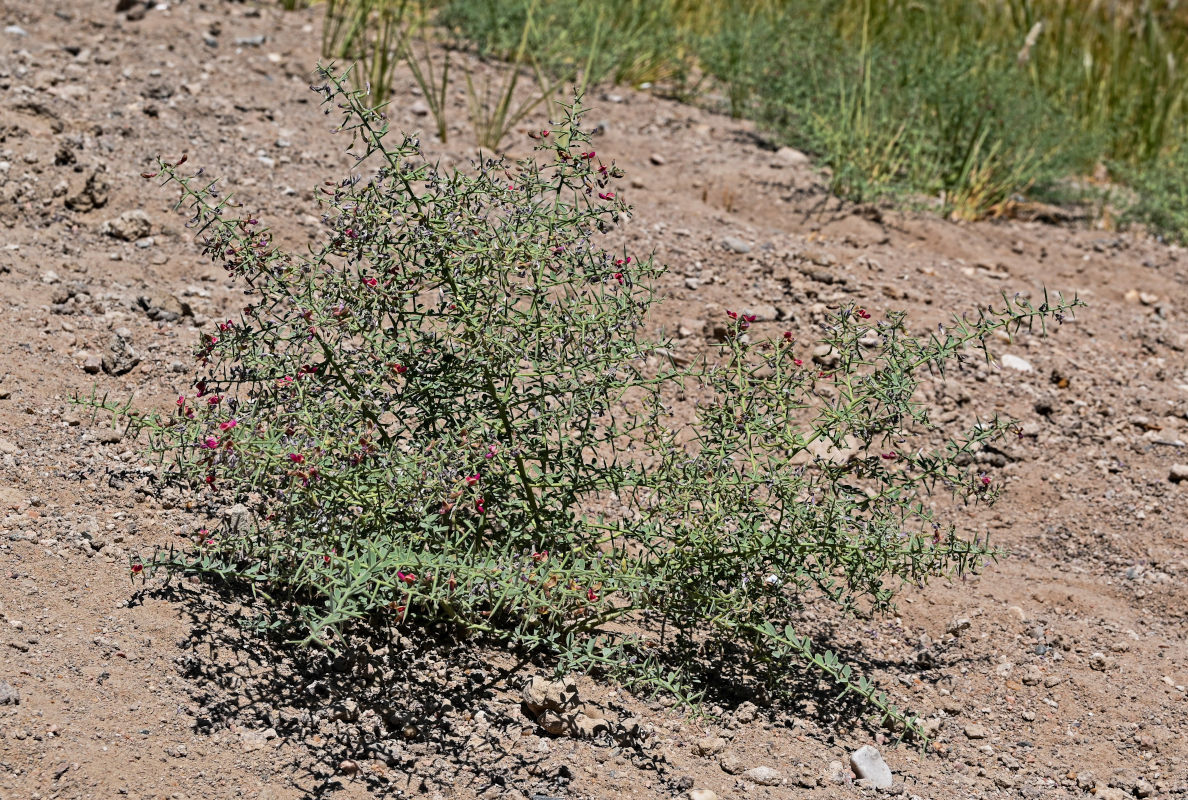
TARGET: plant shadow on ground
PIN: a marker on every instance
(417, 708)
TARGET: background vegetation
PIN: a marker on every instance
(972, 104)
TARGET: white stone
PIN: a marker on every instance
(867, 763)
(1010, 361)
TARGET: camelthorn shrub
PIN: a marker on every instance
(445, 409)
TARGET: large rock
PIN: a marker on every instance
(1016, 363)
(541, 694)
(129, 226)
(764, 776)
(120, 358)
(92, 195)
(868, 764)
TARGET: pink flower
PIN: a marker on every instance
(588, 155)
(479, 506)
(372, 282)
(619, 277)
(591, 595)
(472, 479)
(985, 480)
(890, 456)
(228, 425)
(210, 443)
(181, 400)
(214, 399)
(406, 577)
(491, 451)
(297, 458)
(863, 314)
(606, 195)
(619, 262)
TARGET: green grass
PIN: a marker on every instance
(971, 101)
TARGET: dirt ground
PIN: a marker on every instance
(1059, 673)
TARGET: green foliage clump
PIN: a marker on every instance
(445, 409)
(967, 101)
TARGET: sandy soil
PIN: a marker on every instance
(1059, 673)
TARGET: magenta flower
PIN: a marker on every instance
(472, 479)
(228, 425)
(297, 458)
(210, 443)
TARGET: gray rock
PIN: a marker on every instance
(709, 746)
(657, 159)
(791, 156)
(736, 245)
(120, 358)
(976, 731)
(868, 764)
(92, 195)
(730, 764)
(837, 773)
(957, 626)
(745, 713)
(1010, 361)
(418, 108)
(540, 694)
(586, 724)
(1109, 793)
(703, 794)
(92, 364)
(1178, 473)
(239, 519)
(1032, 676)
(9, 696)
(129, 226)
(764, 776)
(551, 722)
(826, 356)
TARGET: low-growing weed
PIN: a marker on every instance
(446, 409)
